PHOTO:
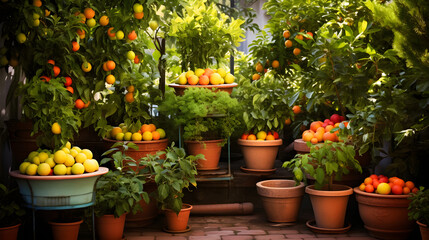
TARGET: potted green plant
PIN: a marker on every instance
(324, 163)
(266, 104)
(418, 210)
(10, 213)
(208, 118)
(172, 175)
(117, 193)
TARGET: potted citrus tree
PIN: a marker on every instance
(208, 118)
(324, 163)
(172, 175)
(10, 213)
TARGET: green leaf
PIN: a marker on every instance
(320, 175)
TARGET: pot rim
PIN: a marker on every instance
(258, 143)
(10, 227)
(138, 142)
(360, 192)
(185, 207)
(259, 184)
(205, 141)
(421, 224)
(65, 223)
(336, 193)
(100, 171)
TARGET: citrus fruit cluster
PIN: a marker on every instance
(147, 132)
(383, 185)
(206, 77)
(261, 136)
(321, 131)
(66, 161)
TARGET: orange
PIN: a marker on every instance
(45, 78)
(79, 104)
(296, 109)
(80, 32)
(392, 179)
(68, 82)
(89, 13)
(414, 190)
(288, 121)
(375, 183)
(70, 89)
(329, 128)
(314, 140)
(87, 104)
(208, 72)
(275, 64)
(147, 136)
(109, 32)
(399, 182)
(50, 61)
(409, 185)
(367, 181)
(251, 137)
(288, 43)
(270, 137)
(315, 125)
(204, 80)
(130, 88)
(152, 127)
(104, 20)
(193, 80)
(244, 136)
(286, 34)
(146, 128)
(296, 51)
(110, 65)
(373, 176)
(110, 79)
(136, 60)
(406, 190)
(300, 37)
(155, 135)
(396, 189)
(369, 188)
(75, 46)
(320, 129)
(256, 77)
(311, 34)
(307, 136)
(319, 136)
(329, 136)
(132, 35)
(259, 67)
(362, 187)
(138, 15)
(57, 71)
(129, 97)
(105, 67)
(37, 3)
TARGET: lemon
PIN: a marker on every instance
(87, 152)
(68, 145)
(147, 136)
(77, 168)
(183, 79)
(189, 73)
(221, 72)
(229, 78)
(138, 8)
(136, 137)
(131, 55)
(68, 170)
(51, 162)
(36, 160)
(80, 157)
(31, 169)
(69, 161)
(44, 169)
(120, 136)
(91, 165)
(60, 156)
(383, 188)
(32, 155)
(199, 72)
(60, 169)
(91, 22)
(215, 79)
(86, 67)
(76, 148)
(66, 150)
(153, 25)
(128, 136)
(73, 152)
(161, 132)
(56, 128)
(21, 38)
(43, 156)
(261, 135)
(120, 35)
(23, 166)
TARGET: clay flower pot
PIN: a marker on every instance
(9, 233)
(65, 230)
(424, 230)
(329, 207)
(281, 199)
(178, 222)
(260, 155)
(149, 211)
(110, 228)
(385, 216)
(145, 147)
(211, 150)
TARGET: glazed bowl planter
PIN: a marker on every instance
(281, 199)
(385, 216)
(52, 191)
(329, 207)
(10, 232)
(110, 228)
(178, 222)
(260, 155)
(211, 150)
(180, 89)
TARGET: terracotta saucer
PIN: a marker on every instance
(208, 169)
(258, 171)
(312, 225)
(165, 229)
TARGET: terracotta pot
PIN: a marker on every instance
(424, 230)
(65, 230)
(110, 228)
(260, 155)
(149, 210)
(178, 222)
(330, 207)
(281, 199)
(385, 216)
(211, 150)
(180, 89)
(9, 233)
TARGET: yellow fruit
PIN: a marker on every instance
(104, 20)
(199, 72)
(86, 67)
(69, 161)
(60, 169)
(68, 145)
(153, 25)
(115, 131)
(36, 22)
(76, 148)
(261, 135)
(68, 170)
(44, 169)
(161, 132)
(128, 136)
(189, 73)
(229, 78)
(60, 156)
(32, 155)
(77, 168)
(136, 137)
(66, 150)
(21, 38)
(183, 79)
(80, 158)
(91, 22)
(73, 152)
(131, 55)
(31, 169)
(147, 136)
(87, 152)
(215, 79)
(120, 136)
(138, 8)
(43, 156)
(120, 35)
(36, 160)
(91, 165)
(51, 162)
(56, 128)
(221, 72)
(383, 188)
(23, 166)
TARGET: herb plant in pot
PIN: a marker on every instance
(208, 119)
(266, 104)
(324, 163)
(418, 210)
(10, 213)
(172, 174)
(117, 193)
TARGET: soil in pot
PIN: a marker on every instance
(178, 222)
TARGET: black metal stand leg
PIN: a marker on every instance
(93, 223)
(34, 223)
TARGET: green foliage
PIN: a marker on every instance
(119, 191)
(266, 103)
(204, 34)
(419, 206)
(203, 113)
(10, 209)
(172, 174)
(324, 163)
